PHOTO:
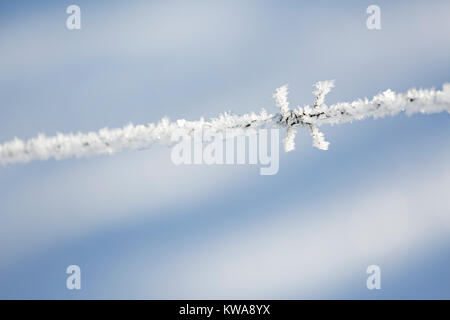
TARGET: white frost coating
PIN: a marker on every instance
(109, 141)
(281, 100)
(318, 138)
(322, 89)
(289, 139)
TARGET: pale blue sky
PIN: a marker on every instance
(141, 227)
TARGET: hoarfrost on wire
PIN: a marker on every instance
(109, 141)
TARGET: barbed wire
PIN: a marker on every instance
(110, 141)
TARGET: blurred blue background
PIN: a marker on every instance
(141, 227)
